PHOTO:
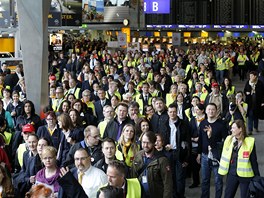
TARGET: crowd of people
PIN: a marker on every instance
(133, 124)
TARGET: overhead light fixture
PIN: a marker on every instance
(126, 22)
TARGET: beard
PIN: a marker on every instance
(148, 149)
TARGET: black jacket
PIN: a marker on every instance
(159, 125)
(112, 127)
(53, 139)
(70, 187)
(99, 109)
(20, 122)
(254, 101)
(183, 139)
(18, 109)
(31, 165)
(95, 153)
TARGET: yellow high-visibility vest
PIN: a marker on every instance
(244, 168)
(133, 188)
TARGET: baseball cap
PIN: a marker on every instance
(215, 85)
(28, 128)
(52, 77)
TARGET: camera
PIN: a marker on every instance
(232, 106)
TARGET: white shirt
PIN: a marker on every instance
(179, 111)
(92, 180)
(19, 75)
(145, 95)
(173, 133)
(103, 102)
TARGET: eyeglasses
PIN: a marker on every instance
(48, 158)
(81, 158)
(86, 95)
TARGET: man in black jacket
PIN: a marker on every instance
(180, 147)
(114, 127)
(159, 120)
(91, 144)
(109, 150)
(212, 132)
(99, 105)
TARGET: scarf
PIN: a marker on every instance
(253, 86)
(173, 96)
(125, 147)
(52, 181)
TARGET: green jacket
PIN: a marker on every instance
(159, 174)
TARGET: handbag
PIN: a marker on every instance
(256, 187)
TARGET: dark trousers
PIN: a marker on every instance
(178, 175)
(195, 169)
(232, 183)
(252, 120)
(242, 72)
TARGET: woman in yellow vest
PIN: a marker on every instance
(191, 82)
(238, 161)
(171, 97)
(227, 88)
(127, 146)
(153, 90)
(241, 60)
(255, 58)
(220, 68)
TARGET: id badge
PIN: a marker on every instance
(144, 179)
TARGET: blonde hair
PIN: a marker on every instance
(49, 149)
(133, 145)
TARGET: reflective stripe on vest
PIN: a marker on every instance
(230, 92)
(244, 168)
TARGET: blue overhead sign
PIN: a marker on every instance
(157, 6)
(257, 26)
(230, 26)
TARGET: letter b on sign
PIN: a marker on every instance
(155, 6)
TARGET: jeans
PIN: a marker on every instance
(178, 176)
(207, 167)
(220, 76)
(252, 120)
